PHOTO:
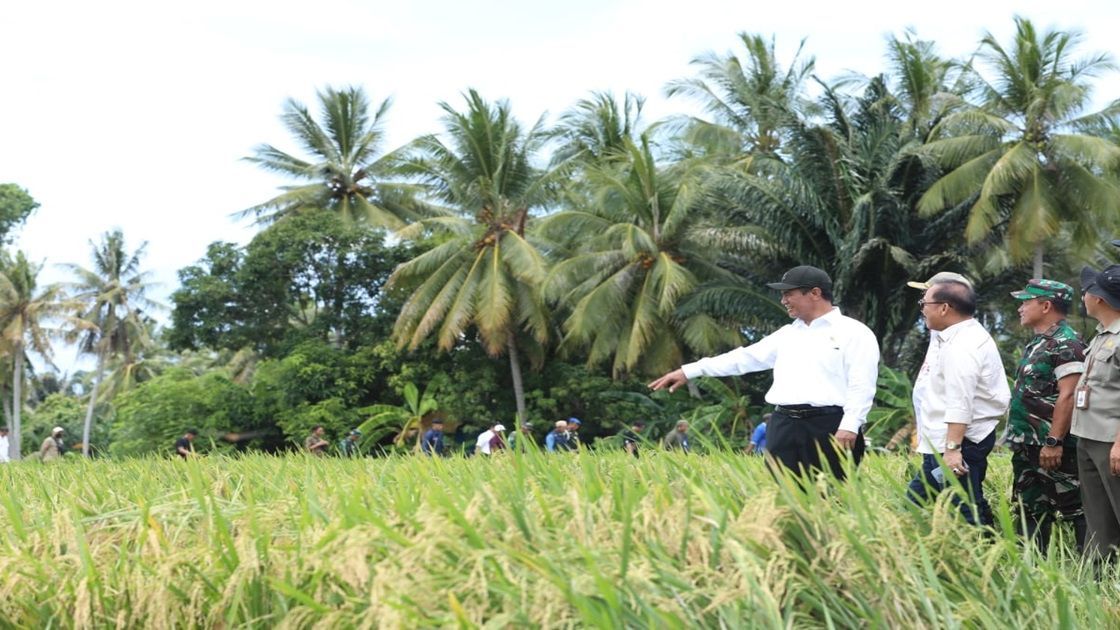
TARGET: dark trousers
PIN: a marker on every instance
(1100, 498)
(1041, 497)
(798, 443)
(925, 485)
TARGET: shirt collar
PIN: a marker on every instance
(950, 332)
(828, 319)
(1114, 328)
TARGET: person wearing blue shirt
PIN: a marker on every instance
(432, 442)
(557, 438)
(758, 438)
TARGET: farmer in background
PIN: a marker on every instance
(631, 440)
(349, 445)
(677, 439)
(315, 444)
(757, 445)
(491, 441)
(432, 442)
(51, 448)
(5, 456)
(184, 446)
(557, 438)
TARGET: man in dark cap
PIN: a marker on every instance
(1096, 414)
(825, 369)
(1044, 483)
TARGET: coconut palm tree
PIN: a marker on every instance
(842, 199)
(484, 274)
(1019, 159)
(345, 171)
(597, 127)
(26, 317)
(111, 298)
(637, 256)
(750, 98)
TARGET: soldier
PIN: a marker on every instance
(1044, 456)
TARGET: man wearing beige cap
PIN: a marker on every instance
(921, 383)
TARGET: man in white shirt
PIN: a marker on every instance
(5, 446)
(965, 398)
(825, 369)
(921, 383)
(490, 440)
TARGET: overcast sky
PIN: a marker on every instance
(136, 114)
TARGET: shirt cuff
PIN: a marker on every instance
(849, 423)
(958, 418)
(692, 370)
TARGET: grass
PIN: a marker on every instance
(670, 541)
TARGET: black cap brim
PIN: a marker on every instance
(782, 286)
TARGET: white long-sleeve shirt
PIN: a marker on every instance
(834, 360)
(966, 385)
(4, 446)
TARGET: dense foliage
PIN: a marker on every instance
(545, 271)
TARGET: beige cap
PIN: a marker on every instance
(942, 276)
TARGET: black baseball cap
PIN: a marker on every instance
(802, 277)
(1104, 284)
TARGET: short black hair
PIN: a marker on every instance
(1062, 306)
(826, 292)
(317, 427)
(958, 295)
(191, 431)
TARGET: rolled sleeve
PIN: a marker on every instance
(862, 362)
(1065, 369)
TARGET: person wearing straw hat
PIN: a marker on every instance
(1096, 414)
(825, 368)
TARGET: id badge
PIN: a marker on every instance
(1081, 397)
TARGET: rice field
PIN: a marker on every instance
(574, 540)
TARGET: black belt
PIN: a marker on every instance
(807, 411)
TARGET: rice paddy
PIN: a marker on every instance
(575, 540)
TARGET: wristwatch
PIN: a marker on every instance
(952, 446)
(1053, 441)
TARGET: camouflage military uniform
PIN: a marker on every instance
(1043, 494)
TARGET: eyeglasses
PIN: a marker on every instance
(922, 303)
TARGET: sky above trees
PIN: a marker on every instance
(136, 115)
